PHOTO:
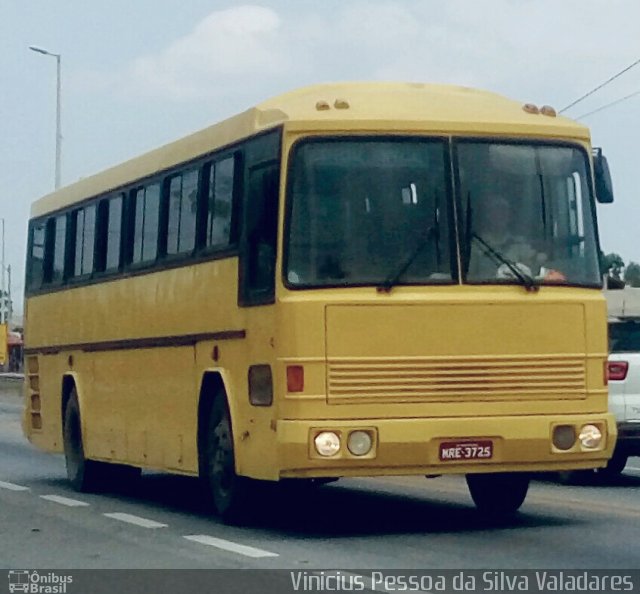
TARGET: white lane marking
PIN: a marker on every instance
(64, 500)
(355, 579)
(137, 520)
(12, 486)
(227, 545)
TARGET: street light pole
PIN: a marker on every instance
(10, 301)
(58, 109)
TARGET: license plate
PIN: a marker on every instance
(452, 451)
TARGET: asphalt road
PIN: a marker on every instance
(403, 523)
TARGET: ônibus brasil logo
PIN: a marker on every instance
(34, 582)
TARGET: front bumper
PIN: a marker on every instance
(412, 446)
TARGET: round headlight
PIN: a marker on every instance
(327, 443)
(590, 436)
(564, 436)
(359, 443)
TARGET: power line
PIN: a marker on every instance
(606, 82)
(608, 105)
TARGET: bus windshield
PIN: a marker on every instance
(371, 211)
(362, 210)
(531, 205)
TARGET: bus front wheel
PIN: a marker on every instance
(229, 492)
(498, 494)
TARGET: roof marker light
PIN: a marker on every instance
(341, 104)
(530, 108)
(322, 105)
(548, 111)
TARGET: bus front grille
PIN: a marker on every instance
(446, 379)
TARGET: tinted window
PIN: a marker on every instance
(624, 337)
(84, 240)
(531, 205)
(36, 264)
(183, 206)
(114, 231)
(261, 227)
(220, 202)
(146, 216)
(57, 270)
(368, 212)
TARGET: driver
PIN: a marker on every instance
(496, 227)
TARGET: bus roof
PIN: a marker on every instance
(343, 106)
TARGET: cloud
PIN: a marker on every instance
(524, 49)
(235, 44)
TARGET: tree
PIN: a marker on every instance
(614, 265)
(632, 274)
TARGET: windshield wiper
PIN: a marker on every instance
(525, 279)
(393, 278)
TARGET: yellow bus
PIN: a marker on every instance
(4, 344)
(328, 285)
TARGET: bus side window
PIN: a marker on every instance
(55, 267)
(145, 213)
(217, 215)
(84, 222)
(261, 227)
(36, 260)
(109, 234)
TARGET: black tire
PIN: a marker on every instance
(575, 477)
(229, 493)
(84, 475)
(615, 466)
(498, 494)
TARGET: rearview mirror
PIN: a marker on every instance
(602, 175)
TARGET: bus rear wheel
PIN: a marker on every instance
(83, 474)
(498, 494)
(228, 491)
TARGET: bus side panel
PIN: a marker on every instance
(142, 408)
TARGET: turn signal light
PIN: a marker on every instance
(617, 370)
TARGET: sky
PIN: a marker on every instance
(139, 73)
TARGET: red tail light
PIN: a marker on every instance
(617, 370)
(295, 378)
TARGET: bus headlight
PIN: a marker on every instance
(590, 436)
(359, 443)
(327, 443)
